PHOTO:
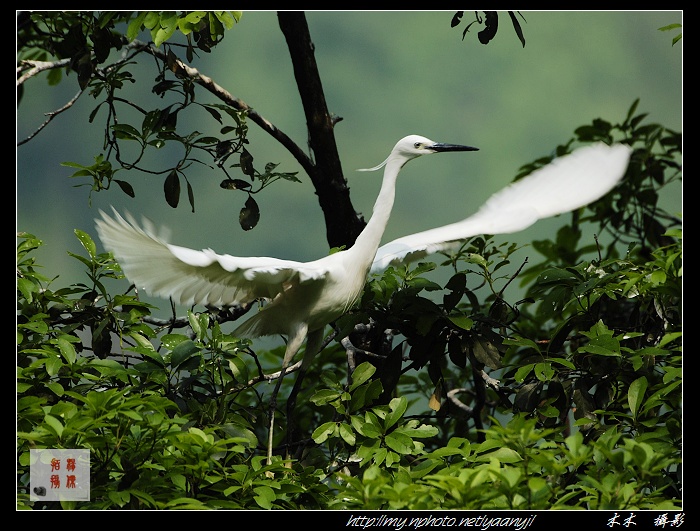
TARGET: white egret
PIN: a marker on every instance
(307, 296)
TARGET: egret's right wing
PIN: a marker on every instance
(567, 183)
(196, 277)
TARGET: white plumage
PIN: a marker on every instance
(567, 183)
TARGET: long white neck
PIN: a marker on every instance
(367, 243)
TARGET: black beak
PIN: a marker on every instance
(439, 147)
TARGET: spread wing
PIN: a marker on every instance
(567, 183)
(196, 277)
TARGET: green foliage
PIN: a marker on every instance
(519, 466)
(490, 23)
(88, 42)
(672, 27)
(448, 396)
(167, 426)
(207, 27)
(364, 433)
(457, 398)
(87, 38)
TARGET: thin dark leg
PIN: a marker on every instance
(313, 345)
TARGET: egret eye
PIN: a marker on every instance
(418, 145)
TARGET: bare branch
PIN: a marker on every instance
(51, 116)
(36, 67)
(274, 375)
(452, 397)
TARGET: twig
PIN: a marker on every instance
(512, 278)
(274, 375)
(36, 67)
(51, 116)
(452, 397)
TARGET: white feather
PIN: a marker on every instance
(567, 183)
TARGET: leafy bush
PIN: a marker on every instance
(444, 397)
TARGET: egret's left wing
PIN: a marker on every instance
(197, 277)
(567, 183)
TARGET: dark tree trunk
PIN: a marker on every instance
(343, 224)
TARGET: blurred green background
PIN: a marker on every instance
(387, 74)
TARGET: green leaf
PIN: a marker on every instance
(265, 496)
(125, 187)
(635, 394)
(421, 432)
(487, 353)
(369, 430)
(365, 394)
(55, 425)
(556, 276)
(399, 442)
(171, 186)
(183, 352)
(56, 388)
(131, 414)
(462, 321)
(87, 242)
(142, 341)
(240, 432)
(249, 215)
(135, 26)
(324, 396)
(195, 16)
(126, 132)
(37, 326)
(397, 407)
(346, 433)
(234, 184)
(575, 443)
(246, 163)
(168, 25)
(228, 18)
(544, 371)
(53, 365)
(67, 350)
(361, 374)
(170, 341)
(562, 361)
(239, 369)
(194, 323)
(600, 350)
(503, 455)
(523, 371)
(324, 431)
(27, 288)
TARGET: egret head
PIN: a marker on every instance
(413, 146)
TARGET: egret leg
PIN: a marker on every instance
(293, 345)
(314, 340)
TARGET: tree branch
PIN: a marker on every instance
(182, 69)
(343, 224)
(30, 69)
